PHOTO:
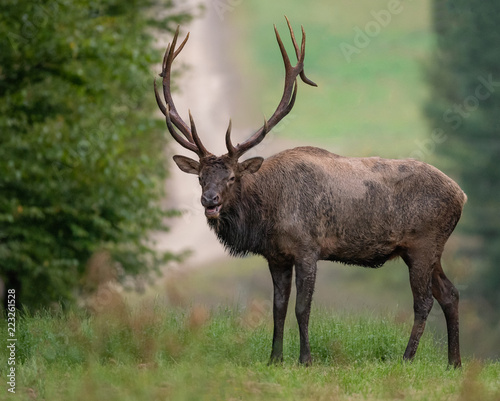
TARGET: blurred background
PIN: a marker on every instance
(84, 154)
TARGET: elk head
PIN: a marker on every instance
(220, 176)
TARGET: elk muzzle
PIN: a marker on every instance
(212, 203)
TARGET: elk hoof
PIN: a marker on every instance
(275, 360)
(306, 361)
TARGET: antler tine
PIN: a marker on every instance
(284, 54)
(173, 119)
(303, 55)
(159, 102)
(289, 92)
(180, 140)
(202, 150)
(292, 99)
(292, 35)
(229, 145)
(254, 140)
(166, 73)
(181, 46)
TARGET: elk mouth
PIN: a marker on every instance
(212, 212)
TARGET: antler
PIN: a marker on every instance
(287, 100)
(173, 120)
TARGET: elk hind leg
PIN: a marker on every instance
(420, 281)
(305, 277)
(447, 296)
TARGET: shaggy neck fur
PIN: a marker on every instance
(241, 227)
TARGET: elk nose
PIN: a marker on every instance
(210, 198)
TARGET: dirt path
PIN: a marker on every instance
(201, 76)
(209, 86)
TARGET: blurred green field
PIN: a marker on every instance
(152, 351)
(189, 347)
(368, 106)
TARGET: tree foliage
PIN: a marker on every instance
(81, 157)
(465, 103)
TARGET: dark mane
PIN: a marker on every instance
(242, 228)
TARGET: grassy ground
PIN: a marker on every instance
(155, 351)
(151, 352)
(368, 105)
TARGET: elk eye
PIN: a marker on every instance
(232, 178)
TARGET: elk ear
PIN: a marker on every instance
(187, 165)
(251, 166)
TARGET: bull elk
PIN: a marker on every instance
(307, 204)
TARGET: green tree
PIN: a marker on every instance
(81, 158)
(464, 104)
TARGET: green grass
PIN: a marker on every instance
(368, 106)
(153, 352)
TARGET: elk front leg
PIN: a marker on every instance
(305, 277)
(282, 282)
